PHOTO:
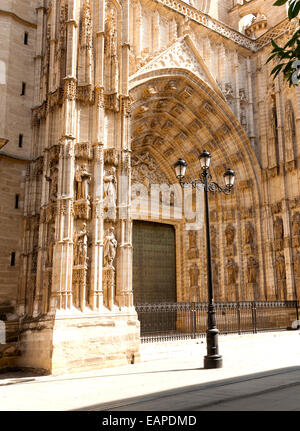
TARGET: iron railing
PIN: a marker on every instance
(186, 320)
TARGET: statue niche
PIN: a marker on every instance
(111, 59)
(82, 203)
(194, 282)
(80, 267)
(230, 236)
(82, 177)
(109, 248)
(109, 254)
(296, 229)
(253, 277)
(110, 193)
(232, 270)
(281, 277)
(193, 251)
(53, 180)
(80, 243)
(249, 244)
(50, 245)
(278, 234)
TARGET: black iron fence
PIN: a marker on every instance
(185, 320)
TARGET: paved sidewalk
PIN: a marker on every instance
(259, 370)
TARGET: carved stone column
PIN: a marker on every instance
(61, 295)
(96, 290)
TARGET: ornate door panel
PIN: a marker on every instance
(154, 262)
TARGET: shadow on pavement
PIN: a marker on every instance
(169, 400)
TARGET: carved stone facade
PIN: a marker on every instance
(120, 92)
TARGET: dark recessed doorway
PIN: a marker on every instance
(154, 262)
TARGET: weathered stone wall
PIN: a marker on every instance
(11, 220)
(16, 66)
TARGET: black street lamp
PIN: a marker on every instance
(212, 359)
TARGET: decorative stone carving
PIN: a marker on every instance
(242, 94)
(276, 208)
(215, 275)
(228, 92)
(70, 89)
(111, 52)
(82, 177)
(86, 34)
(80, 247)
(111, 157)
(213, 240)
(171, 85)
(110, 192)
(280, 267)
(50, 245)
(53, 180)
(232, 271)
(230, 235)
(85, 94)
(252, 270)
(83, 151)
(281, 277)
(297, 264)
(194, 276)
(149, 92)
(278, 233)
(109, 248)
(296, 229)
(243, 117)
(82, 210)
(249, 238)
(193, 251)
(145, 170)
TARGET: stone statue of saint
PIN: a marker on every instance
(296, 224)
(278, 228)
(249, 234)
(111, 50)
(194, 275)
(82, 177)
(109, 248)
(53, 179)
(297, 265)
(80, 255)
(280, 267)
(229, 233)
(51, 239)
(252, 270)
(232, 271)
(110, 193)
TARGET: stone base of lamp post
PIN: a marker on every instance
(212, 359)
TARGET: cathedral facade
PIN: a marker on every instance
(100, 99)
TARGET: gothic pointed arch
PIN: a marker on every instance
(175, 113)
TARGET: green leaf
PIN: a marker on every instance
(280, 2)
(271, 56)
(277, 69)
(293, 9)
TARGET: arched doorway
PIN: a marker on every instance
(176, 114)
(154, 262)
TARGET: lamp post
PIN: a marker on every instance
(212, 359)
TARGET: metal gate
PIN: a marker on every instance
(172, 321)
